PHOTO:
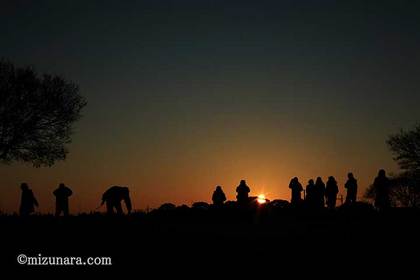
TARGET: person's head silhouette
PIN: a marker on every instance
(350, 175)
(382, 173)
(61, 185)
(311, 182)
(243, 182)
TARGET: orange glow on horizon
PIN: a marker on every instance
(261, 199)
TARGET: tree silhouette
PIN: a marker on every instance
(405, 146)
(36, 115)
(404, 191)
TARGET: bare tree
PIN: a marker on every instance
(405, 186)
(36, 115)
(405, 147)
(404, 191)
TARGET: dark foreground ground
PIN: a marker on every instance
(207, 242)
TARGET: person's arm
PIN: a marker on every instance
(127, 201)
(35, 201)
(375, 185)
(103, 199)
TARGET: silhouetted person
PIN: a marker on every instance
(218, 197)
(28, 201)
(62, 194)
(242, 193)
(310, 193)
(319, 193)
(351, 186)
(381, 186)
(331, 191)
(297, 189)
(113, 197)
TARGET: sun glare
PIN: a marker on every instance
(261, 199)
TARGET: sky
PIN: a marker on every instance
(187, 95)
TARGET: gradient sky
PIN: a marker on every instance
(185, 95)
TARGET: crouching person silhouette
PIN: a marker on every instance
(62, 194)
(113, 197)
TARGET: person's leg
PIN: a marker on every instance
(57, 209)
(353, 199)
(24, 212)
(348, 199)
(118, 208)
(66, 209)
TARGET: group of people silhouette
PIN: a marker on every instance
(112, 197)
(316, 195)
(242, 196)
(29, 202)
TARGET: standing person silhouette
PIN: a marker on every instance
(351, 186)
(331, 192)
(297, 189)
(62, 194)
(319, 193)
(242, 193)
(218, 197)
(310, 194)
(28, 201)
(381, 186)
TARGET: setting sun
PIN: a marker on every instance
(261, 199)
